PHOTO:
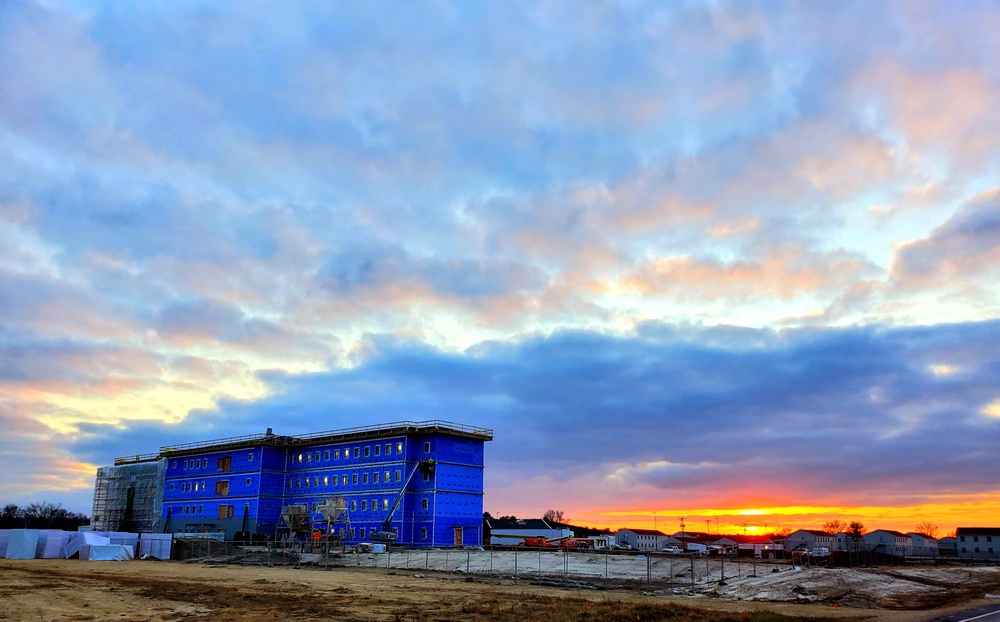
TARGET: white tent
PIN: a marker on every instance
(105, 552)
(51, 543)
(22, 544)
(155, 545)
(83, 538)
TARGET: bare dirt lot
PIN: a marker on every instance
(161, 591)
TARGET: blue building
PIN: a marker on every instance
(240, 485)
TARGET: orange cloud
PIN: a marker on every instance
(955, 110)
(784, 274)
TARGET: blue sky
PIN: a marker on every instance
(698, 258)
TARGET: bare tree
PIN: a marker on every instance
(834, 526)
(784, 532)
(553, 515)
(927, 528)
(855, 532)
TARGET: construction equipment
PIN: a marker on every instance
(332, 509)
(296, 517)
(386, 534)
(565, 543)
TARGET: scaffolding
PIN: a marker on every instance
(129, 497)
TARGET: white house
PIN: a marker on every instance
(924, 545)
(889, 542)
(978, 542)
(644, 539)
(810, 539)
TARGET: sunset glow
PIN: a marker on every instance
(730, 262)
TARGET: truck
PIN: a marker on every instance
(697, 549)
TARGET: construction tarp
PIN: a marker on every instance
(131, 540)
(22, 544)
(105, 552)
(4, 537)
(82, 538)
(155, 545)
(51, 543)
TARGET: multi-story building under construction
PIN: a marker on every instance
(420, 481)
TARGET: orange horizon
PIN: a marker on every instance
(979, 512)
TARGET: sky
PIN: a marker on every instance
(737, 262)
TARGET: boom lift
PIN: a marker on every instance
(386, 534)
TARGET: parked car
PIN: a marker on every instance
(820, 551)
(672, 549)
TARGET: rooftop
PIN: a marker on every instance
(329, 436)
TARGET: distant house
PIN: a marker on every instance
(644, 539)
(889, 542)
(809, 539)
(511, 532)
(978, 542)
(946, 547)
(924, 545)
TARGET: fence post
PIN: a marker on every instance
(468, 560)
(649, 569)
(388, 559)
(692, 572)
(427, 559)
(491, 560)
(515, 564)
(607, 554)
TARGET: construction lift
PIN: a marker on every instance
(386, 534)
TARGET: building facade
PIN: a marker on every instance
(810, 539)
(978, 542)
(889, 542)
(924, 545)
(643, 539)
(241, 486)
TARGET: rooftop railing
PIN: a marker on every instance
(300, 439)
(404, 426)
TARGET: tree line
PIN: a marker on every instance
(42, 515)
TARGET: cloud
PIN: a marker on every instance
(963, 249)
(801, 416)
(240, 218)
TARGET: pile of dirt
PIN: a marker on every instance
(908, 589)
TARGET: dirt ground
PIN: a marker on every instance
(165, 591)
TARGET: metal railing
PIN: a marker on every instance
(136, 459)
(401, 427)
(397, 426)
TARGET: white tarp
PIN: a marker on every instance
(51, 543)
(155, 545)
(105, 552)
(131, 540)
(83, 538)
(4, 537)
(22, 544)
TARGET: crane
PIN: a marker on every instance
(386, 534)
